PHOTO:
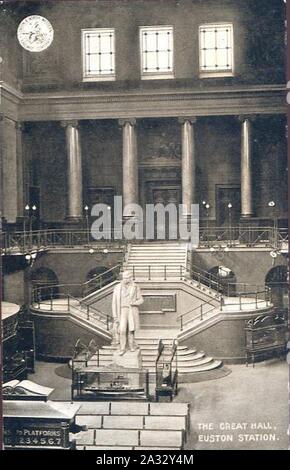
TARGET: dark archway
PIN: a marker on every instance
(45, 283)
(276, 279)
(95, 272)
(226, 278)
(98, 277)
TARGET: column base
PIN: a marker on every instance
(74, 219)
(247, 216)
(72, 222)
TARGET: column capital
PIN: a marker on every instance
(71, 122)
(190, 119)
(132, 121)
(246, 117)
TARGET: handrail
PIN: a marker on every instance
(103, 317)
(89, 307)
(202, 313)
(94, 279)
(72, 303)
(169, 380)
(43, 238)
(163, 268)
(213, 284)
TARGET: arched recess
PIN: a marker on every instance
(95, 272)
(226, 277)
(45, 282)
(276, 279)
(102, 275)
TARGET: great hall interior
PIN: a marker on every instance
(176, 101)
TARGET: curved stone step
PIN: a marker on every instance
(185, 352)
(180, 359)
(190, 370)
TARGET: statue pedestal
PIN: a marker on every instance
(130, 360)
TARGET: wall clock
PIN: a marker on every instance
(35, 33)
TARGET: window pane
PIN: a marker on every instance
(93, 63)
(106, 63)
(163, 61)
(209, 39)
(93, 44)
(105, 41)
(222, 58)
(150, 42)
(163, 43)
(210, 58)
(223, 39)
(151, 62)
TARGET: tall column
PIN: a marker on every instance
(246, 167)
(20, 169)
(130, 162)
(75, 183)
(9, 170)
(188, 162)
(1, 170)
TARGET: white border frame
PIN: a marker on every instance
(220, 73)
(97, 78)
(156, 75)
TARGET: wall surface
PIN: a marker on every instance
(55, 338)
(249, 267)
(259, 43)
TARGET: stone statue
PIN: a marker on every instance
(126, 299)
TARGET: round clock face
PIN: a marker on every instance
(35, 33)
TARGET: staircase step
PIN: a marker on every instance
(191, 370)
(190, 357)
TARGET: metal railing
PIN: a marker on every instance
(54, 238)
(245, 236)
(163, 272)
(69, 304)
(206, 278)
(251, 297)
(201, 312)
(166, 369)
(22, 242)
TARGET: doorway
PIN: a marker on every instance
(164, 193)
(228, 194)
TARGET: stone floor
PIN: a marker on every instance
(246, 410)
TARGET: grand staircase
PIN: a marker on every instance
(157, 260)
(189, 360)
(160, 268)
